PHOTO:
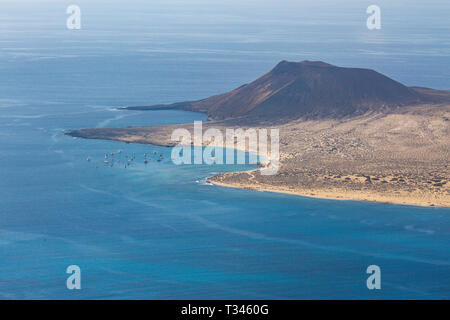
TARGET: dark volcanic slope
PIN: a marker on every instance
(309, 89)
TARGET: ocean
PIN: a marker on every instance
(157, 230)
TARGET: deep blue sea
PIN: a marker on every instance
(157, 230)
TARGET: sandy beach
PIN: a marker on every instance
(403, 198)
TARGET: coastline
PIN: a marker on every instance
(336, 194)
(331, 194)
(397, 158)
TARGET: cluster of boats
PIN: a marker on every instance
(116, 158)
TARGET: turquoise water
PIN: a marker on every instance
(158, 231)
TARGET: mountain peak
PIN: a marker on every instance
(309, 89)
(306, 63)
(295, 67)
